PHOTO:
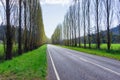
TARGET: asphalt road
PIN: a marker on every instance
(65, 64)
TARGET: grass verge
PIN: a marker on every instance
(114, 54)
(30, 66)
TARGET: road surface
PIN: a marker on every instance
(65, 64)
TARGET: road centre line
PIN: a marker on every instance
(105, 68)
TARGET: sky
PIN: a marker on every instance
(53, 14)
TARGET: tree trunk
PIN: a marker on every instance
(89, 40)
(25, 38)
(19, 37)
(108, 27)
(8, 32)
(79, 23)
(98, 33)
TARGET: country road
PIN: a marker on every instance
(65, 64)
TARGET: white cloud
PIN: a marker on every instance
(62, 2)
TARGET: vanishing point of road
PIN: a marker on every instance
(65, 64)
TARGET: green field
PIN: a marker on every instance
(1, 52)
(30, 66)
(113, 53)
(104, 46)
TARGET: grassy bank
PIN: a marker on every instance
(115, 54)
(29, 66)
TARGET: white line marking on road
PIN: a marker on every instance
(55, 70)
(105, 68)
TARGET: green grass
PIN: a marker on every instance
(115, 54)
(104, 46)
(30, 66)
(1, 52)
(1, 49)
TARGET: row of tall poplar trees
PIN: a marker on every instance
(24, 26)
(86, 18)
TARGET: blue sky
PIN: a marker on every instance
(53, 14)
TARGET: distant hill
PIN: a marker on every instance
(14, 32)
(2, 31)
(115, 34)
(116, 30)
